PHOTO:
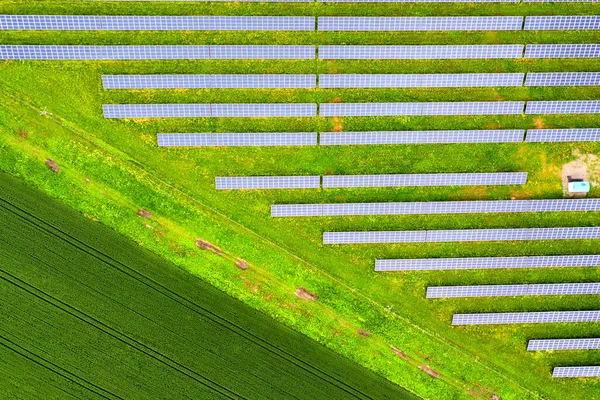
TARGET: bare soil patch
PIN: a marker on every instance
(242, 264)
(539, 123)
(399, 352)
(52, 165)
(429, 371)
(337, 124)
(23, 133)
(304, 294)
(364, 333)
(204, 245)
(144, 213)
(585, 166)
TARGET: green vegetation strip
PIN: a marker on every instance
(98, 305)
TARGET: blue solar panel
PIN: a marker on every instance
(419, 80)
(526, 317)
(129, 23)
(429, 1)
(207, 81)
(236, 139)
(267, 182)
(568, 22)
(576, 372)
(444, 264)
(563, 135)
(564, 344)
(208, 110)
(422, 137)
(419, 23)
(563, 107)
(563, 79)
(552, 289)
(349, 181)
(10, 52)
(392, 109)
(562, 51)
(421, 52)
(467, 235)
(438, 207)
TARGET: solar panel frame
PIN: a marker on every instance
(526, 317)
(445, 264)
(398, 180)
(267, 182)
(236, 139)
(576, 372)
(421, 109)
(563, 79)
(336, 52)
(154, 52)
(555, 289)
(420, 80)
(443, 207)
(156, 23)
(562, 22)
(264, 110)
(240, 81)
(156, 110)
(563, 107)
(465, 235)
(563, 135)
(563, 344)
(428, 1)
(421, 137)
(484, 23)
(562, 50)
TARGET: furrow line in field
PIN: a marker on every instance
(223, 322)
(37, 359)
(148, 351)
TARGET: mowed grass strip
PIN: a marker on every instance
(183, 346)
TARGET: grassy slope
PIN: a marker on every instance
(41, 84)
(114, 308)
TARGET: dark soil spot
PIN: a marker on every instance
(144, 213)
(52, 165)
(364, 333)
(23, 133)
(242, 264)
(204, 245)
(305, 294)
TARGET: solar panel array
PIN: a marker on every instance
(135, 23)
(208, 81)
(208, 110)
(428, 1)
(563, 79)
(569, 22)
(419, 23)
(557, 289)
(563, 135)
(563, 107)
(435, 207)
(562, 51)
(268, 182)
(445, 264)
(419, 80)
(526, 317)
(420, 52)
(420, 109)
(495, 178)
(576, 372)
(564, 344)
(413, 137)
(35, 52)
(465, 235)
(236, 139)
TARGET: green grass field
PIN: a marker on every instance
(84, 305)
(128, 171)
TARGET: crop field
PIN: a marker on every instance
(111, 168)
(117, 310)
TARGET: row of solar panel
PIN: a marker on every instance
(327, 81)
(526, 317)
(41, 52)
(351, 181)
(465, 235)
(349, 109)
(449, 264)
(376, 138)
(552, 289)
(434, 207)
(251, 23)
